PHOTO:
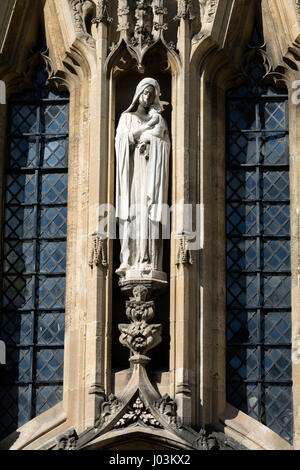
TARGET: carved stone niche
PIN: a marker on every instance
(126, 75)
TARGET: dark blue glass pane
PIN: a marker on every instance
(55, 153)
(275, 116)
(241, 219)
(279, 410)
(242, 290)
(275, 185)
(19, 222)
(242, 326)
(276, 219)
(46, 397)
(53, 222)
(19, 257)
(243, 364)
(21, 189)
(277, 364)
(18, 293)
(276, 255)
(22, 153)
(23, 119)
(17, 328)
(275, 149)
(50, 328)
(242, 149)
(34, 253)
(277, 291)
(242, 115)
(258, 253)
(52, 257)
(54, 188)
(51, 292)
(49, 365)
(241, 184)
(241, 254)
(277, 327)
(245, 397)
(15, 407)
(55, 119)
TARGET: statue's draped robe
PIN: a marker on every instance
(141, 191)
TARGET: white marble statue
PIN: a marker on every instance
(142, 161)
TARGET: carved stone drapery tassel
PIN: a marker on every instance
(183, 253)
(139, 336)
(97, 251)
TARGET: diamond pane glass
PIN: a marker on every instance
(277, 328)
(279, 410)
(53, 222)
(54, 188)
(258, 253)
(52, 257)
(19, 257)
(49, 365)
(55, 153)
(242, 326)
(241, 150)
(50, 328)
(22, 153)
(34, 254)
(243, 364)
(17, 328)
(46, 397)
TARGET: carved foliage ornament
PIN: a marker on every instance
(298, 6)
(136, 413)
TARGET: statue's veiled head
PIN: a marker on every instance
(147, 92)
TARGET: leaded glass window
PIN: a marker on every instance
(34, 254)
(259, 370)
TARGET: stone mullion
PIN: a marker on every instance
(97, 339)
(180, 283)
(294, 120)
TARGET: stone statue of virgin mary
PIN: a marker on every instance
(142, 163)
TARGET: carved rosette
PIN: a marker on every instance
(138, 336)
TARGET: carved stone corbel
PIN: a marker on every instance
(97, 251)
(138, 336)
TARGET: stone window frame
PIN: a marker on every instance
(86, 376)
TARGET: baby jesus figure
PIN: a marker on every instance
(154, 127)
